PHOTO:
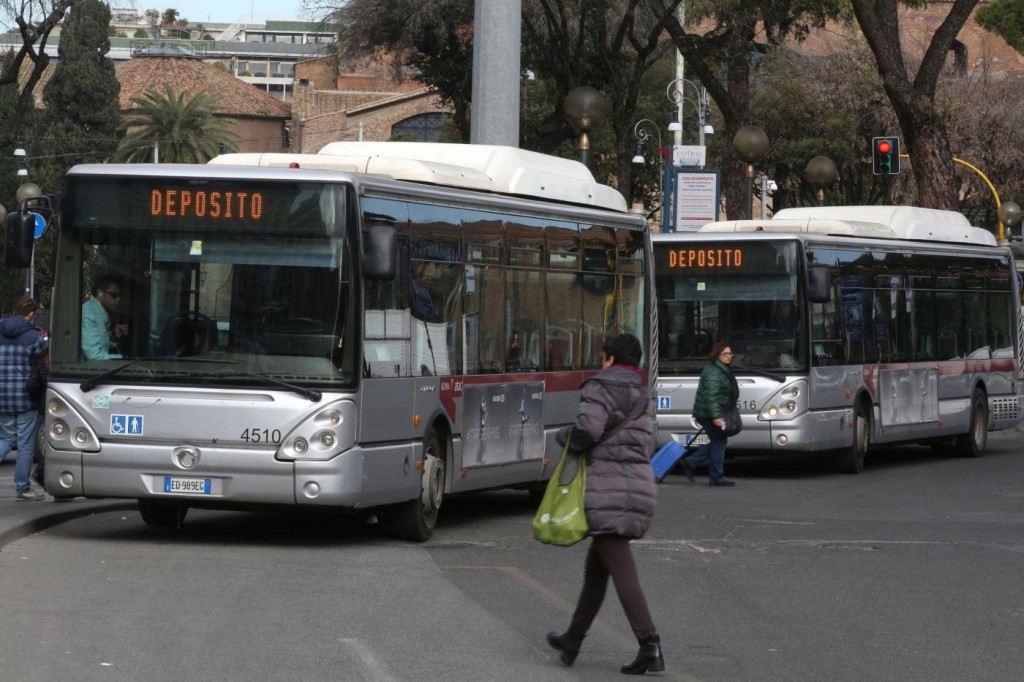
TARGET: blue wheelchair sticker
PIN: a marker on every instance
(126, 425)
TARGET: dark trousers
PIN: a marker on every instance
(610, 555)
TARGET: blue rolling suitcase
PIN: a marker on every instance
(665, 458)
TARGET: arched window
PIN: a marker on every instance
(422, 127)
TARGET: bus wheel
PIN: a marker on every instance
(162, 514)
(972, 443)
(851, 459)
(415, 520)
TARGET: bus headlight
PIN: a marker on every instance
(67, 429)
(325, 434)
(788, 403)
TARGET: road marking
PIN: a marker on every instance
(377, 671)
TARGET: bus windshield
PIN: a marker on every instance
(224, 282)
(744, 293)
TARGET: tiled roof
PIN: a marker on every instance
(237, 99)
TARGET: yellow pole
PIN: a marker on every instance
(1002, 230)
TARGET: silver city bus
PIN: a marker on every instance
(850, 326)
(375, 326)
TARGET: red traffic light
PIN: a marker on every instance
(884, 146)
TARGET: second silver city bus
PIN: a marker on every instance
(851, 326)
(375, 326)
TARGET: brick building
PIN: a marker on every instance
(260, 121)
(334, 103)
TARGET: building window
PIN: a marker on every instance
(422, 128)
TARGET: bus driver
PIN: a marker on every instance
(99, 339)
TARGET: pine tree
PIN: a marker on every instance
(80, 124)
(14, 131)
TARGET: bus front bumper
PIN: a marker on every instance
(223, 477)
(810, 432)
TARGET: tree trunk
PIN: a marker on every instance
(931, 162)
(913, 98)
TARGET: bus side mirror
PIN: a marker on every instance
(21, 227)
(380, 252)
(818, 289)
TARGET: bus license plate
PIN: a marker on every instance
(194, 486)
(701, 439)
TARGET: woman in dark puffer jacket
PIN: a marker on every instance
(620, 498)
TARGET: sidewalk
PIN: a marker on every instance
(21, 519)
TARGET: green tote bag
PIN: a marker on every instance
(561, 519)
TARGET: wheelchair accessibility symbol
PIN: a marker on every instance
(126, 425)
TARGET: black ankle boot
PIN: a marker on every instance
(648, 659)
(566, 643)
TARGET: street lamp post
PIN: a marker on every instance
(642, 133)
(1009, 215)
(676, 95)
(820, 172)
(585, 108)
(750, 144)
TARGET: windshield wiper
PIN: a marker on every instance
(103, 377)
(759, 372)
(308, 393)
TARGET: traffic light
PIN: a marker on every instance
(885, 155)
(20, 239)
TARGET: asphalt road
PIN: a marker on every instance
(909, 571)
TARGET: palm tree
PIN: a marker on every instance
(187, 130)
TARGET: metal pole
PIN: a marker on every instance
(585, 149)
(750, 191)
(764, 197)
(666, 195)
(680, 74)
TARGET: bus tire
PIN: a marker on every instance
(162, 514)
(416, 519)
(973, 443)
(850, 460)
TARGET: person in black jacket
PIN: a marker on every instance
(716, 391)
(620, 498)
(20, 345)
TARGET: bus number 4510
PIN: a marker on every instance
(261, 436)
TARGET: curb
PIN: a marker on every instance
(29, 523)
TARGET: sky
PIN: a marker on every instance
(230, 11)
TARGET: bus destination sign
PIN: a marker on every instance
(705, 258)
(218, 205)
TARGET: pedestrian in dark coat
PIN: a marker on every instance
(716, 391)
(620, 498)
(20, 345)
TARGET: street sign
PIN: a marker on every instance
(40, 224)
(697, 198)
(689, 155)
